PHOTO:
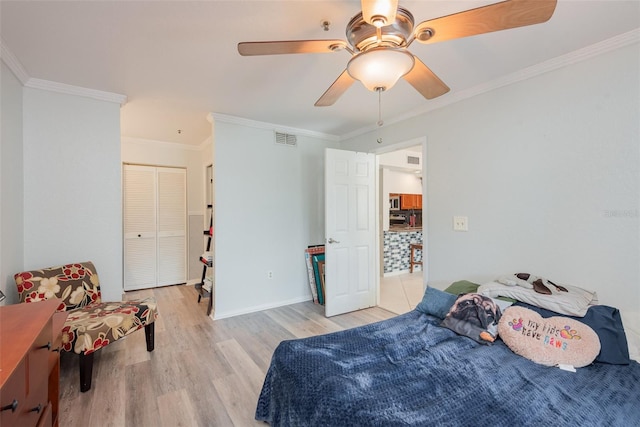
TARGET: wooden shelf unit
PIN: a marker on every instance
(203, 293)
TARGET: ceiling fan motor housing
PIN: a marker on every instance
(363, 36)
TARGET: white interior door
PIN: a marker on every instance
(350, 231)
(140, 237)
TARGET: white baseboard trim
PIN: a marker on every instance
(254, 309)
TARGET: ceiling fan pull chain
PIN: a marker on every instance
(379, 90)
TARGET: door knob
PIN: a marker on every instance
(331, 240)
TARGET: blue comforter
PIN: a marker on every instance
(409, 371)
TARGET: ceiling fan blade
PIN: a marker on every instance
(425, 81)
(290, 46)
(486, 19)
(335, 91)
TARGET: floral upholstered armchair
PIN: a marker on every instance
(91, 324)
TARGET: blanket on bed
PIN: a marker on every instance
(409, 371)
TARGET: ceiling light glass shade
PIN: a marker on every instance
(379, 12)
(380, 67)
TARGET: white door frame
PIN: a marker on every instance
(425, 204)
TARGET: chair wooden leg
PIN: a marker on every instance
(149, 332)
(86, 370)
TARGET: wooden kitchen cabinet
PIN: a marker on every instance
(410, 201)
(30, 337)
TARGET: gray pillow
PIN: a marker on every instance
(436, 302)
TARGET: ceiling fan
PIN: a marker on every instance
(379, 37)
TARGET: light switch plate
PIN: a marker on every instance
(460, 223)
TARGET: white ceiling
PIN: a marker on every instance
(177, 61)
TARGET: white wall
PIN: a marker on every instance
(72, 184)
(401, 182)
(548, 172)
(269, 202)
(11, 183)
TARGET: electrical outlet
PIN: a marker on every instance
(269, 274)
(460, 223)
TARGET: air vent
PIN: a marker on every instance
(413, 160)
(286, 139)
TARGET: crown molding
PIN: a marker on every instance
(270, 126)
(27, 81)
(605, 46)
(76, 90)
(12, 62)
(153, 143)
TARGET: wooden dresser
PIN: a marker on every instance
(30, 335)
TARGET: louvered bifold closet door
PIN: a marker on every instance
(155, 215)
(172, 227)
(140, 227)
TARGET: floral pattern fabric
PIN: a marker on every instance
(91, 324)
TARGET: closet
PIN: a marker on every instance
(155, 212)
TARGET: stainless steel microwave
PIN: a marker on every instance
(394, 203)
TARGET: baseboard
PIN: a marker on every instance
(254, 309)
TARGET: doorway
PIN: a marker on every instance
(401, 224)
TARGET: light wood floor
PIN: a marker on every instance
(201, 373)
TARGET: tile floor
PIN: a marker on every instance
(400, 294)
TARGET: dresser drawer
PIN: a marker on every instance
(29, 367)
(13, 395)
(28, 386)
(38, 358)
(36, 403)
(46, 418)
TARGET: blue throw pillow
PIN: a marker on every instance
(607, 323)
(436, 302)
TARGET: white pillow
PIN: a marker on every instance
(631, 322)
(575, 302)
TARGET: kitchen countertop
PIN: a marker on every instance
(401, 228)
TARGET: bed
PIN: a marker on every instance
(409, 370)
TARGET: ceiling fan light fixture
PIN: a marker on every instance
(379, 13)
(380, 68)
